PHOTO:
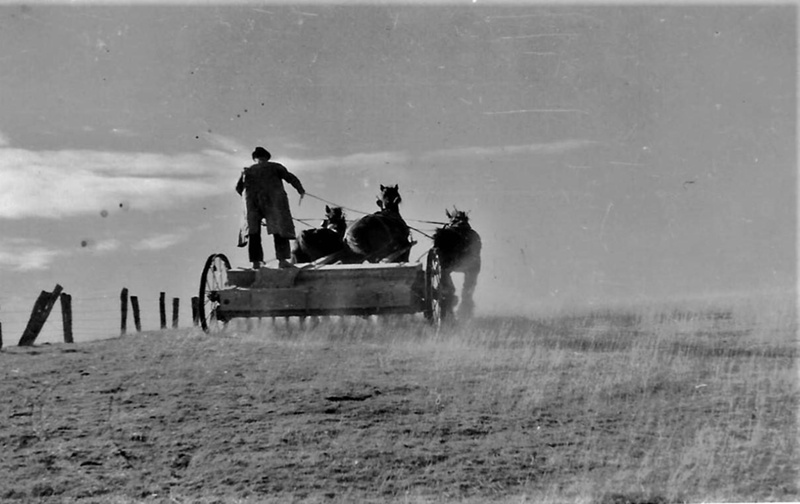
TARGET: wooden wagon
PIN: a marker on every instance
(320, 290)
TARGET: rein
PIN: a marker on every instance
(336, 204)
(369, 213)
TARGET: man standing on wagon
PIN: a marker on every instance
(261, 185)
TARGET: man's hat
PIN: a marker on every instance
(261, 153)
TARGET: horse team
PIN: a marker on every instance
(384, 236)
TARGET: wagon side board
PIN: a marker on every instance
(329, 290)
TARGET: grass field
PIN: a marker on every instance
(649, 404)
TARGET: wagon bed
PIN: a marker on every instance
(311, 290)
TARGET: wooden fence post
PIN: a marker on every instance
(195, 311)
(123, 305)
(162, 310)
(136, 319)
(1, 335)
(176, 303)
(41, 310)
(66, 316)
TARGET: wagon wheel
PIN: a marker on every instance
(213, 279)
(435, 310)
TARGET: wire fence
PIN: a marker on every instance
(93, 317)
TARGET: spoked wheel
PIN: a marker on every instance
(213, 280)
(435, 310)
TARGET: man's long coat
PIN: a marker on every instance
(261, 186)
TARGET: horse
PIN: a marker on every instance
(382, 235)
(459, 249)
(313, 244)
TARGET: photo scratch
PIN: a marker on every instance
(537, 111)
(605, 217)
(489, 19)
(537, 35)
(624, 163)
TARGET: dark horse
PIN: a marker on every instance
(313, 244)
(459, 251)
(383, 235)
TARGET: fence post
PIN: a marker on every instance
(41, 310)
(66, 316)
(195, 311)
(123, 305)
(1, 335)
(136, 320)
(176, 302)
(162, 310)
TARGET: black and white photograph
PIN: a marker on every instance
(470, 251)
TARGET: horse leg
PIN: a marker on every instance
(449, 298)
(467, 306)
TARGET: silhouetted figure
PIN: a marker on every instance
(261, 186)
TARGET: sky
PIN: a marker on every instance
(605, 152)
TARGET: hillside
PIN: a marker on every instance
(610, 407)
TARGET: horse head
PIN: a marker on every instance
(335, 220)
(389, 199)
(458, 218)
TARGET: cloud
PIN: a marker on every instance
(397, 159)
(22, 254)
(359, 160)
(123, 132)
(549, 148)
(56, 184)
(160, 241)
(226, 144)
(108, 245)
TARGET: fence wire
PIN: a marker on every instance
(94, 317)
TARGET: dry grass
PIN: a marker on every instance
(652, 404)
